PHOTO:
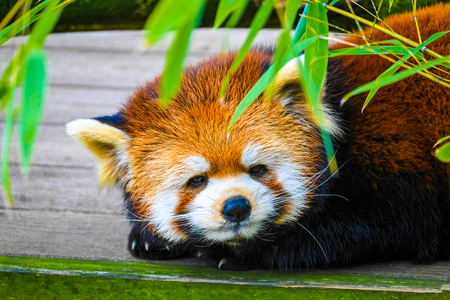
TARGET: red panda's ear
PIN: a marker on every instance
(288, 91)
(107, 143)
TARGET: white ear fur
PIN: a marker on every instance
(290, 74)
(107, 143)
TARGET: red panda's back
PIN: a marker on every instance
(397, 130)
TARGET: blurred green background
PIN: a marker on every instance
(86, 15)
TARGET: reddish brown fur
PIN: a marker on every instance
(422, 121)
(196, 123)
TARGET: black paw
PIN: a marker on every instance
(143, 244)
(224, 260)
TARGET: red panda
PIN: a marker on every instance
(262, 195)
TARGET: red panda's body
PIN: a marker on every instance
(261, 195)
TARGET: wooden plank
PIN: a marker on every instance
(301, 283)
(114, 60)
(59, 189)
(55, 148)
(67, 103)
(204, 40)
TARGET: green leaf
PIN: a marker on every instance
(44, 26)
(6, 145)
(395, 78)
(170, 15)
(388, 78)
(365, 50)
(257, 24)
(392, 69)
(266, 79)
(32, 104)
(301, 26)
(171, 77)
(442, 140)
(391, 2)
(237, 14)
(23, 22)
(314, 70)
(316, 54)
(443, 153)
(226, 7)
(290, 12)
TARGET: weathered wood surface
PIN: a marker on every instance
(59, 211)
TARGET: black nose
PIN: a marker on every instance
(236, 209)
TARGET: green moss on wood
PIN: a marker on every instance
(29, 269)
(38, 286)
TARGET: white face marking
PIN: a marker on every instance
(163, 214)
(204, 213)
(294, 184)
(256, 155)
(197, 164)
(205, 210)
(165, 201)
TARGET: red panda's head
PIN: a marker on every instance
(188, 177)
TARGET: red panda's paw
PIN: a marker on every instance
(143, 244)
(224, 261)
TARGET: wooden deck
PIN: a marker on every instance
(59, 211)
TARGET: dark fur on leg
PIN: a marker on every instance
(143, 244)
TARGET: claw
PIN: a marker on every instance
(133, 245)
(223, 261)
(167, 247)
(200, 254)
(146, 246)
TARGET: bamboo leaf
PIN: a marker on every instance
(315, 57)
(12, 75)
(301, 26)
(44, 26)
(378, 83)
(227, 7)
(266, 79)
(391, 2)
(443, 153)
(442, 140)
(281, 51)
(170, 15)
(314, 70)
(395, 78)
(392, 69)
(6, 145)
(258, 22)
(365, 50)
(23, 22)
(237, 14)
(32, 104)
(171, 77)
(290, 12)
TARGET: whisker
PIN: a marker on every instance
(330, 195)
(315, 240)
(330, 176)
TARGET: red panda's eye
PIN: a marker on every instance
(258, 171)
(197, 181)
